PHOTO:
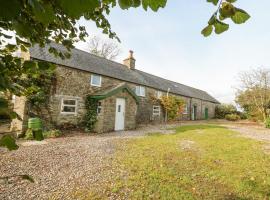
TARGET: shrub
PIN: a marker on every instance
(232, 117)
(267, 122)
(90, 117)
(52, 133)
(224, 109)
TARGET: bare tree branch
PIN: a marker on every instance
(104, 48)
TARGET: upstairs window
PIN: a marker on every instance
(69, 106)
(158, 94)
(95, 80)
(140, 91)
(156, 110)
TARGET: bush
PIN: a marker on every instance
(267, 123)
(52, 133)
(232, 117)
(224, 109)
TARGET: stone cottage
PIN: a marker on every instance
(124, 92)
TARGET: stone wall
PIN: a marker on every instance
(75, 84)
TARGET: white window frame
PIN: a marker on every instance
(140, 90)
(99, 107)
(91, 81)
(159, 94)
(156, 110)
(63, 105)
(185, 111)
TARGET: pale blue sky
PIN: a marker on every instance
(169, 44)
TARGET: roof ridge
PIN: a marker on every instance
(170, 80)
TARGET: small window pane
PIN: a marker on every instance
(156, 110)
(69, 102)
(96, 80)
(138, 90)
(99, 107)
(159, 94)
(119, 108)
(68, 109)
(142, 91)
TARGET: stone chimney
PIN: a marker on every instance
(130, 61)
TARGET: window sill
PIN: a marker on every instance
(68, 113)
(95, 85)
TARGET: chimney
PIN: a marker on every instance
(130, 61)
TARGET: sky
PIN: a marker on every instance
(168, 43)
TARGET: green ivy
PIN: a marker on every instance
(90, 118)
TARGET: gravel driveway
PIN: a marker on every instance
(61, 166)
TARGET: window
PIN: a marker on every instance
(156, 110)
(158, 94)
(185, 111)
(140, 91)
(95, 80)
(69, 106)
(99, 108)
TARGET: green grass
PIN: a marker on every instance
(218, 165)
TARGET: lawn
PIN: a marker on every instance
(198, 162)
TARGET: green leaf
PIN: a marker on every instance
(227, 10)
(9, 142)
(231, 1)
(42, 65)
(30, 65)
(240, 16)
(9, 9)
(207, 30)
(43, 12)
(220, 27)
(125, 4)
(215, 2)
(77, 8)
(154, 4)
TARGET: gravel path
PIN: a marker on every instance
(61, 166)
(251, 131)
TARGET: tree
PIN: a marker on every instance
(104, 48)
(253, 95)
(224, 109)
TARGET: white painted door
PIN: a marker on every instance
(120, 114)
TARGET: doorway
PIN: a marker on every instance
(120, 114)
(194, 112)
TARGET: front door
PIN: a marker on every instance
(194, 113)
(120, 114)
(206, 113)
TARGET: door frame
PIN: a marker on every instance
(122, 110)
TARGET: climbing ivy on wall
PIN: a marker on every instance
(90, 118)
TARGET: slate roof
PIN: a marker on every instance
(98, 65)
